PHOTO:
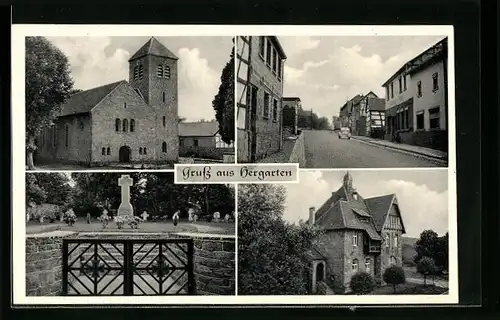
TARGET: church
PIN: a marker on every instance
(134, 121)
(360, 235)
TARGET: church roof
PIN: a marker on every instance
(198, 129)
(155, 48)
(84, 101)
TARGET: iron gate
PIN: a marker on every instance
(127, 267)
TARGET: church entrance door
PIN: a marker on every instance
(124, 154)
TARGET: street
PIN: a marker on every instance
(323, 149)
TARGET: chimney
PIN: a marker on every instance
(311, 216)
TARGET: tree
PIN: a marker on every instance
(431, 245)
(223, 102)
(273, 254)
(48, 85)
(362, 283)
(34, 193)
(426, 267)
(57, 187)
(394, 275)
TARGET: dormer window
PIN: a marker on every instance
(355, 195)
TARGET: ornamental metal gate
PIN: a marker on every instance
(127, 267)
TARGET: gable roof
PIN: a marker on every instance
(82, 102)
(155, 48)
(379, 208)
(198, 129)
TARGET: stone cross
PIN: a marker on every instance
(125, 208)
(145, 216)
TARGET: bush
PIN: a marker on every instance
(362, 283)
(426, 267)
(394, 275)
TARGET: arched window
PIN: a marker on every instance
(164, 147)
(125, 125)
(136, 72)
(140, 150)
(164, 121)
(125, 105)
(66, 135)
(132, 125)
(159, 70)
(108, 151)
(145, 151)
(103, 152)
(387, 241)
(166, 73)
(396, 241)
(354, 239)
(367, 265)
(117, 125)
(355, 265)
(164, 96)
(141, 71)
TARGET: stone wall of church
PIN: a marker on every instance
(168, 107)
(124, 103)
(77, 146)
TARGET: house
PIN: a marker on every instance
(358, 120)
(417, 100)
(260, 61)
(349, 115)
(359, 235)
(371, 112)
(296, 104)
(202, 139)
(134, 121)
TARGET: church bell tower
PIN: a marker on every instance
(153, 74)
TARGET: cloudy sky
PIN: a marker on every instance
(97, 61)
(422, 194)
(327, 71)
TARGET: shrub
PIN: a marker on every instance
(120, 221)
(134, 222)
(70, 217)
(362, 283)
(426, 267)
(394, 275)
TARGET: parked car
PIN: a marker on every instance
(345, 133)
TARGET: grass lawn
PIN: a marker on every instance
(153, 227)
(409, 288)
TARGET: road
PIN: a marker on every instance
(323, 149)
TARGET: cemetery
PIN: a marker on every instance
(127, 251)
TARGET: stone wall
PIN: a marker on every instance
(214, 262)
(44, 263)
(298, 154)
(214, 265)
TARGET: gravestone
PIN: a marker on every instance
(145, 216)
(125, 208)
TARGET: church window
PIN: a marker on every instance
(159, 71)
(367, 265)
(103, 152)
(117, 125)
(140, 150)
(164, 147)
(125, 105)
(164, 96)
(108, 151)
(66, 136)
(132, 125)
(136, 72)
(355, 265)
(166, 73)
(141, 71)
(145, 151)
(125, 125)
(164, 121)
(354, 239)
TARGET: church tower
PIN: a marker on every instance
(348, 182)
(153, 74)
